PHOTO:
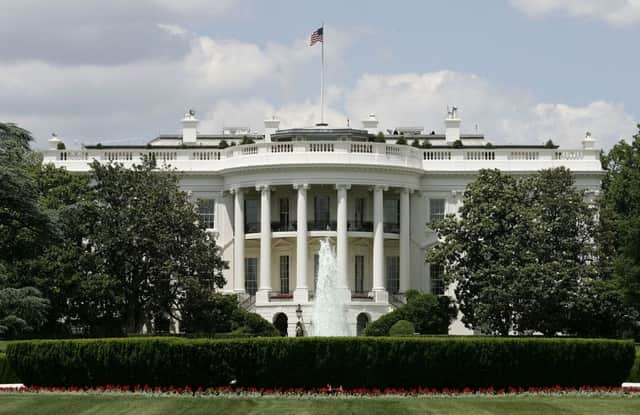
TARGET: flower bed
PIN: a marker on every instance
(441, 362)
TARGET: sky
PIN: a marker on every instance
(124, 71)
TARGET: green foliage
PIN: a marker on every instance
(223, 144)
(253, 324)
(61, 146)
(7, 374)
(246, 140)
(379, 138)
(428, 313)
(634, 373)
(402, 328)
(427, 144)
(415, 143)
(489, 145)
(401, 140)
(550, 144)
(308, 362)
(520, 252)
(619, 232)
(457, 144)
(22, 310)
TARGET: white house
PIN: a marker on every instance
(271, 201)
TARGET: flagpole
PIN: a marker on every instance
(322, 79)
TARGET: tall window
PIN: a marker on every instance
(251, 223)
(284, 213)
(391, 215)
(316, 267)
(359, 285)
(436, 272)
(393, 274)
(321, 209)
(284, 274)
(436, 209)
(206, 210)
(359, 212)
(251, 275)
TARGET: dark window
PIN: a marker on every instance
(393, 274)
(391, 214)
(359, 212)
(436, 209)
(251, 275)
(206, 210)
(359, 286)
(284, 213)
(281, 323)
(284, 274)
(362, 323)
(321, 209)
(251, 222)
(316, 267)
(436, 272)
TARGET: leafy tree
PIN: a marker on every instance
(521, 253)
(22, 310)
(402, 328)
(143, 251)
(620, 220)
(401, 140)
(415, 143)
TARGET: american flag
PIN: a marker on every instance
(317, 36)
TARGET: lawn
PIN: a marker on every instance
(70, 404)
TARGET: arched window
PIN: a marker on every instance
(281, 322)
(362, 323)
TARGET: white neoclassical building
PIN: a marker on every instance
(269, 202)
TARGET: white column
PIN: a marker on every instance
(342, 240)
(301, 293)
(264, 287)
(238, 241)
(380, 294)
(405, 220)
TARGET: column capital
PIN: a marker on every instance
(304, 186)
(379, 187)
(263, 187)
(343, 186)
(408, 190)
(235, 189)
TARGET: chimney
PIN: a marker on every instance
(588, 143)
(190, 128)
(270, 127)
(371, 124)
(452, 125)
(54, 141)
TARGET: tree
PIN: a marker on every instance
(143, 251)
(619, 234)
(521, 253)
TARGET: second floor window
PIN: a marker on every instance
(436, 209)
(321, 209)
(284, 274)
(436, 272)
(359, 283)
(359, 211)
(206, 210)
(251, 222)
(284, 212)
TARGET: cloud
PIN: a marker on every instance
(614, 12)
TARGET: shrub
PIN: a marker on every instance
(402, 328)
(415, 143)
(427, 144)
(401, 141)
(7, 374)
(430, 314)
(223, 144)
(458, 144)
(549, 144)
(379, 138)
(246, 140)
(61, 146)
(454, 362)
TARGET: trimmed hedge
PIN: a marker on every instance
(402, 328)
(634, 374)
(455, 362)
(7, 375)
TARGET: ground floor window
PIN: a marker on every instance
(251, 275)
(206, 210)
(281, 322)
(436, 272)
(393, 274)
(284, 274)
(316, 267)
(359, 273)
(362, 323)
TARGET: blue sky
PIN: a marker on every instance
(524, 71)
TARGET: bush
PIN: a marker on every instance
(7, 375)
(61, 146)
(458, 144)
(455, 362)
(223, 144)
(427, 144)
(379, 138)
(415, 143)
(401, 141)
(430, 314)
(402, 328)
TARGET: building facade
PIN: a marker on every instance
(269, 199)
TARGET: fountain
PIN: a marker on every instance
(329, 308)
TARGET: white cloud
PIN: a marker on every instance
(615, 12)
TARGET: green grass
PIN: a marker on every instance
(3, 345)
(70, 404)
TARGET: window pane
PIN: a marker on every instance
(392, 211)
(436, 209)
(206, 210)
(316, 266)
(251, 223)
(436, 272)
(284, 213)
(359, 283)
(322, 209)
(284, 274)
(251, 275)
(359, 212)
(392, 264)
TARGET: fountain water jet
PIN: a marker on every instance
(329, 308)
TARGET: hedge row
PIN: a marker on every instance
(7, 375)
(309, 362)
(634, 374)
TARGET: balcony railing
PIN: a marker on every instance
(284, 227)
(322, 226)
(391, 228)
(358, 226)
(252, 227)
